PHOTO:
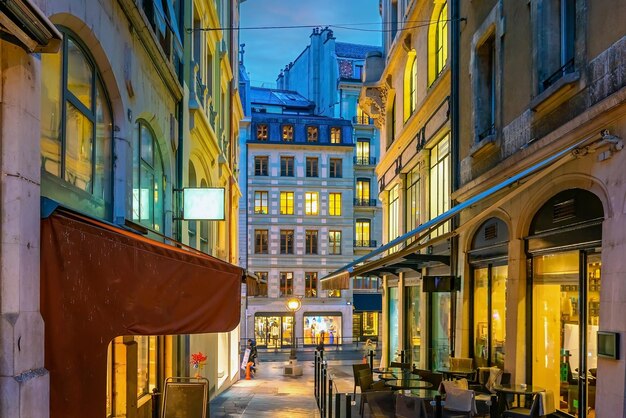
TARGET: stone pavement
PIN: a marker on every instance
(270, 394)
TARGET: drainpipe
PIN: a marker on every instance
(454, 121)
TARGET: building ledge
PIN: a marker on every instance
(484, 146)
(553, 96)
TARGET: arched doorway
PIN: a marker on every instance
(564, 247)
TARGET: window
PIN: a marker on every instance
(262, 286)
(335, 135)
(192, 225)
(334, 204)
(362, 233)
(440, 182)
(334, 242)
(412, 201)
(76, 126)
(260, 241)
(286, 166)
(311, 203)
(260, 203)
(310, 246)
(286, 283)
(260, 166)
(365, 282)
(362, 192)
(410, 85)
(358, 72)
(146, 365)
(363, 152)
(312, 132)
(393, 230)
(556, 40)
(288, 133)
(442, 39)
(391, 124)
(335, 170)
(286, 203)
(204, 227)
(310, 284)
(311, 167)
(361, 116)
(485, 89)
(286, 241)
(261, 132)
(148, 180)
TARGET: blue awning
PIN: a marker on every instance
(368, 302)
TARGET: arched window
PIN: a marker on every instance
(76, 129)
(204, 227)
(148, 179)
(410, 85)
(438, 42)
(192, 225)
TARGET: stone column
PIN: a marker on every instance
(24, 383)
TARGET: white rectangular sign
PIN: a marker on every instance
(201, 204)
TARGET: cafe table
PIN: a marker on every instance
(389, 370)
(407, 384)
(515, 389)
(449, 373)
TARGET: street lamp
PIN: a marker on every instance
(293, 305)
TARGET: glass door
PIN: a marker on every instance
(414, 326)
(440, 329)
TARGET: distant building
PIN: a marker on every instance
(329, 73)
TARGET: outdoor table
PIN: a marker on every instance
(402, 374)
(449, 373)
(407, 384)
(428, 394)
(389, 370)
(517, 390)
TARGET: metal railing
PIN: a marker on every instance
(568, 67)
(360, 160)
(363, 120)
(359, 243)
(309, 344)
(364, 202)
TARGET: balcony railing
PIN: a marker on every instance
(363, 120)
(364, 202)
(359, 243)
(565, 69)
(364, 160)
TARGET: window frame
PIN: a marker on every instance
(311, 242)
(311, 203)
(261, 241)
(334, 242)
(312, 133)
(310, 284)
(286, 241)
(261, 166)
(287, 207)
(287, 132)
(262, 132)
(334, 204)
(287, 166)
(335, 135)
(335, 168)
(312, 167)
(441, 40)
(262, 197)
(358, 234)
(285, 283)
(152, 168)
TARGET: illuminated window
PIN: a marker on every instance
(146, 365)
(363, 152)
(334, 242)
(286, 283)
(362, 233)
(310, 245)
(334, 204)
(286, 203)
(260, 166)
(410, 85)
(260, 203)
(311, 203)
(76, 125)
(148, 179)
(335, 135)
(362, 117)
(286, 241)
(393, 230)
(286, 166)
(412, 201)
(261, 132)
(362, 192)
(310, 284)
(335, 168)
(438, 43)
(312, 132)
(440, 182)
(335, 293)
(287, 133)
(311, 167)
(260, 241)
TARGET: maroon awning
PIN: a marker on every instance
(99, 282)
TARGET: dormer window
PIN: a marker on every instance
(261, 132)
(335, 135)
(312, 133)
(288, 133)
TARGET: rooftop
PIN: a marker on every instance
(276, 97)
(346, 50)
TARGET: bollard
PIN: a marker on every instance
(329, 406)
(371, 355)
(248, 370)
(337, 405)
(315, 363)
(349, 405)
(438, 410)
(323, 397)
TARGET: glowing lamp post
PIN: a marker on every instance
(293, 305)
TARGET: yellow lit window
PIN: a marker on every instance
(311, 203)
(261, 132)
(362, 117)
(287, 133)
(335, 135)
(334, 204)
(410, 85)
(286, 203)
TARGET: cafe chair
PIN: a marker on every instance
(542, 405)
(410, 407)
(433, 378)
(367, 385)
(461, 363)
(406, 366)
(459, 403)
(355, 373)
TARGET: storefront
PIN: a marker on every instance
(563, 248)
(322, 326)
(273, 329)
(365, 317)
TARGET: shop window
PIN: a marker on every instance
(76, 130)
(286, 241)
(148, 179)
(335, 170)
(192, 225)
(310, 244)
(334, 204)
(414, 324)
(365, 326)
(311, 203)
(412, 201)
(286, 203)
(286, 166)
(334, 242)
(393, 330)
(261, 132)
(326, 328)
(260, 241)
(393, 227)
(311, 167)
(146, 365)
(287, 133)
(260, 166)
(310, 284)
(286, 284)
(335, 135)
(260, 203)
(312, 133)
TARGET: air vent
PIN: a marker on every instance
(491, 232)
(564, 210)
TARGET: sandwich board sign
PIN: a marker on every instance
(185, 397)
(246, 357)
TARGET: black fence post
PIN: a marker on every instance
(155, 403)
(315, 362)
(401, 356)
(371, 355)
(323, 397)
(337, 405)
(349, 405)
(438, 410)
(329, 407)
(493, 408)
